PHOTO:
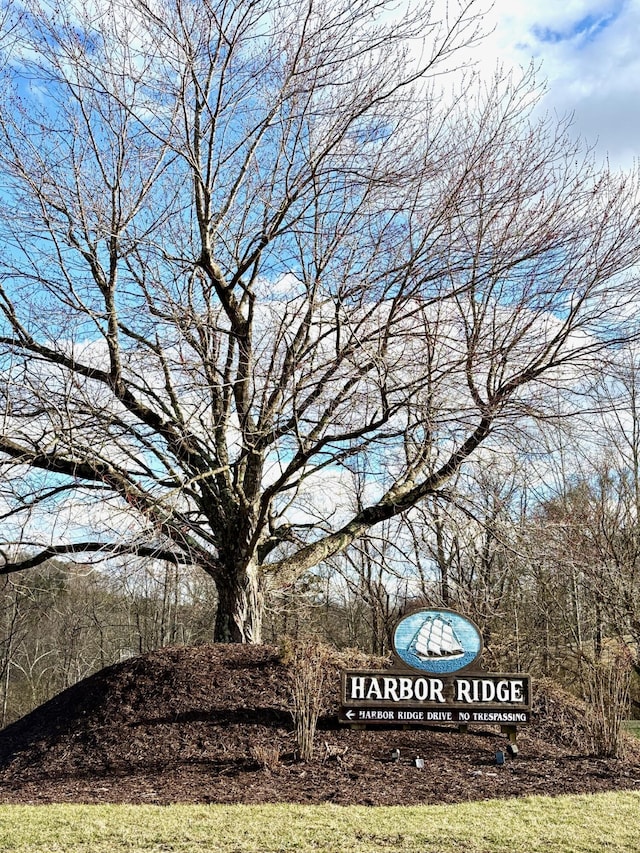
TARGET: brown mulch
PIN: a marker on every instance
(191, 725)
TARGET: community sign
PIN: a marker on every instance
(436, 678)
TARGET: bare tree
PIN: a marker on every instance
(246, 242)
(592, 530)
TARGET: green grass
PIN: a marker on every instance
(584, 824)
(633, 726)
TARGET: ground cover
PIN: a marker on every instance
(192, 725)
(581, 824)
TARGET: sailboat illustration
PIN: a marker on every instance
(436, 639)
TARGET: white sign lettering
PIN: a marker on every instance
(455, 690)
(473, 690)
(395, 689)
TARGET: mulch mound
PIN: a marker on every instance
(195, 724)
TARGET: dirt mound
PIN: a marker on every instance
(561, 718)
(191, 725)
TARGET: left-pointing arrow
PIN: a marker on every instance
(350, 714)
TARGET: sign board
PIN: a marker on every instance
(391, 697)
(434, 679)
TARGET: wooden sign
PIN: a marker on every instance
(435, 679)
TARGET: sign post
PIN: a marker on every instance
(435, 680)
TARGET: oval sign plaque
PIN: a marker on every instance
(437, 641)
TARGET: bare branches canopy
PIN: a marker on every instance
(248, 244)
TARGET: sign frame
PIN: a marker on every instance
(436, 684)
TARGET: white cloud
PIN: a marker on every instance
(587, 52)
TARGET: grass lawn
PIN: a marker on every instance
(583, 824)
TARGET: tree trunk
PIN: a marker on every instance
(241, 601)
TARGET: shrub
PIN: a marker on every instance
(266, 756)
(607, 684)
(308, 663)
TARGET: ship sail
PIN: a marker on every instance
(437, 639)
(449, 640)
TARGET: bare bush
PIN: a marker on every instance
(607, 685)
(308, 663)
(267, 756)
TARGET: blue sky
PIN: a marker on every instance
(588, 52)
